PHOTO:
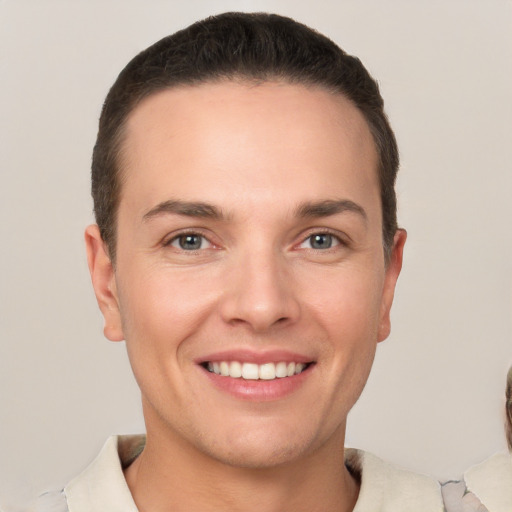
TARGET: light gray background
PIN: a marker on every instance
(434, 401)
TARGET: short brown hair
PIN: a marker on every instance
(255, 46)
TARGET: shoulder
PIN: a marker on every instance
(388, 488)
(53, 501)
(101, 486)
(457, 497)
(491, 482)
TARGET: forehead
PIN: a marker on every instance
(239, 138)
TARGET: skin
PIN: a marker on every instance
(256, 154)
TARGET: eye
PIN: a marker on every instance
(190, 242)
(320, 241)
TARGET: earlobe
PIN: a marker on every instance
(103, 282)
(393, 269)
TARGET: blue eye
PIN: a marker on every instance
(189, 242)
(320, 241)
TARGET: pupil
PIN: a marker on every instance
(190, 242)
(321, 241)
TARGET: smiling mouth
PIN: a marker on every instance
(253, 371)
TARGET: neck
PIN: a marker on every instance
(171, 475)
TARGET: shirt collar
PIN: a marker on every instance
(384, 488)
(102, 485)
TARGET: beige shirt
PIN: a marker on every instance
(384, 488)
(491, 482)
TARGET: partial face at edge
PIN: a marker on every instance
(249, 231)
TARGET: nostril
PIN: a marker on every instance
(260, 305)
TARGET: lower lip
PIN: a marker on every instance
(259, 390)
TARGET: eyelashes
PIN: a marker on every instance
(321, 241)
(190, 242)
(194, 241)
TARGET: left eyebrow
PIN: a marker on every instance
(185, 208)
(329, 207)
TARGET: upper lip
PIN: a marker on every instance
(257, 357)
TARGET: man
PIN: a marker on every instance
(247, 250)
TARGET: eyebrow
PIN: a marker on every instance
(329, 207)
(308, 209)
(186, 208)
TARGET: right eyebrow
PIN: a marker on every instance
(186, 208)
(330, 207)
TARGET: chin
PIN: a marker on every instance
(259, 448)
(270, 455)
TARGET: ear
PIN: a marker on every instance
(103, 282)
(392, 272)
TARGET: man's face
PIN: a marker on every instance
(249, 242)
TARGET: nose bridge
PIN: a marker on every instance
(261, 292)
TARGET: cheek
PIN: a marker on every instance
(349, 312)
(351, 320)
(161, 313)
(161, 309)
(348, 300)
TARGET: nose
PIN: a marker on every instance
(260, 293)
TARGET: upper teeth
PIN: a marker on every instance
(252, 371)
